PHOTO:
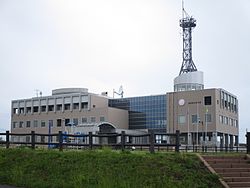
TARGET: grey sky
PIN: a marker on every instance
(101, 45)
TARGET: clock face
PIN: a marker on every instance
(181, 102)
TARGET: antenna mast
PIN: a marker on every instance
(187, 23)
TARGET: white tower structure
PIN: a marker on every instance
(189, 77)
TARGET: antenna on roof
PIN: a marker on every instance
(38, 93)
(120, 92)
(187, 23)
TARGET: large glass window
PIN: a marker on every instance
(148, 112)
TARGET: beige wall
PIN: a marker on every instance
(118, 117)
(195, 100)
(98, 107)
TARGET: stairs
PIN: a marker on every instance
(233, 170)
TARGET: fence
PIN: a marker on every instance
(90, 141)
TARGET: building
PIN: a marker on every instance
(203, 116)
(208, 116)
(65, 106)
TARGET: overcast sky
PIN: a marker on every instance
(102, 44)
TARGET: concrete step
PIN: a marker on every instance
(227, 161)
(236, 179)
(225, 170)
(230, 165)
(239, 184)
(235, 174)
(224, 157)
(234, 170)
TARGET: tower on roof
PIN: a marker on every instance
(187, 23)
(189, 77)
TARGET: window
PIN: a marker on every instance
(208, 118)
(27, 139)
(92, 119)
(226, 120)
(194, 119)
(84, 120)
(51, 108)
(43, 124)
(35, 123)
(84, 105)
(43, 108)
(58, 122)
(207, 100)
(14, 125)
(42, 139)
(181, 119)
(21, 124)
(27, 123)
(102, 119)
(15, 110)
(67, 121)
(58, 107)
(230, 121)
(28, 110)
(35, 109)
(76, 106)
(75, 121)
(50, 123)
(21, 110)
(66, 106)
(221, 119)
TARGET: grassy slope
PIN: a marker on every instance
(43, 168)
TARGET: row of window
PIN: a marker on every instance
(182, 119)
(229, 102)
(228, 121)
(59, 122)
(49, 108)
(144, 112)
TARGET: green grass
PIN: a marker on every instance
(106, 168)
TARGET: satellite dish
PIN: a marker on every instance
(120, 92)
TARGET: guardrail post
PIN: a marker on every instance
(248, 142)
(90, 140)
(152, 142)
(123, 140)
(177, 147)
(7, 139)
(60, 140)
(33, 139)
